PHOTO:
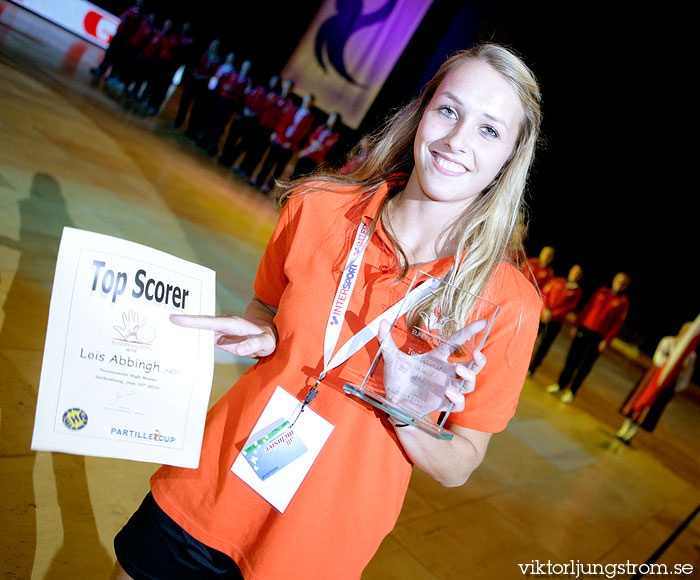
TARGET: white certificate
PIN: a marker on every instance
(118, 379)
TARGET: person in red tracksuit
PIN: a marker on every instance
(162, 66)
(206, 100)
(129, 22)
(321, 142)
(560, 296)
(143, 79)
(195, 83)
(598, 323)
(243, 127)
(233, 87)
(294, 125)
(185, 47)
(172, 53)
(279, 104)
(540, 266)
(132, 71)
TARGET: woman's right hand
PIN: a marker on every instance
(233, 334)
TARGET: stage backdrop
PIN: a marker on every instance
(349, 50)
(80, 17)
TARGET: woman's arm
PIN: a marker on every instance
(448, 462)
(254, 334)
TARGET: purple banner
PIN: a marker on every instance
(349, 50)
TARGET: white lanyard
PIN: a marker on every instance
(340, 307)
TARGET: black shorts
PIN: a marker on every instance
(151, 546)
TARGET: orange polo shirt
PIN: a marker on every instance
(352, 496)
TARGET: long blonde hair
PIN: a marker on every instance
(487, 225)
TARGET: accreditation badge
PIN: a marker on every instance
(274, 447)
(281, 449)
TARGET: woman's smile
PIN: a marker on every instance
(447, 166)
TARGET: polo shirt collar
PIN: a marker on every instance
(397, 181)
(435, 268)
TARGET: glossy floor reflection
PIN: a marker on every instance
(555, 486)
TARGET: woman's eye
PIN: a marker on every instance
(448, 112)
(489, 131)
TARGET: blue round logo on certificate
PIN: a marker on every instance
(75, 419)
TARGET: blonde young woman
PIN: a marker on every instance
(440, 191)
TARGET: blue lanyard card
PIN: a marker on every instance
(272, 448)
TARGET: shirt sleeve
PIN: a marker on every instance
(271, 279)
(508, 349)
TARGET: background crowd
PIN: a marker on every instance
(594, 327)
(254, 126)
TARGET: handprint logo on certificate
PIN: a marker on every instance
(135, 330)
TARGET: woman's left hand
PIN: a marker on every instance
(407, 378)
(468, 373)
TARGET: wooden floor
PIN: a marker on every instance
(555, 487)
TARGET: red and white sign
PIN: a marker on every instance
(78, 16)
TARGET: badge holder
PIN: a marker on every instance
(416, 361)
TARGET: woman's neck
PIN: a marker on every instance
(421, 228)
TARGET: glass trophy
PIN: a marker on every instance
(416, 359)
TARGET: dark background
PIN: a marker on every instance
(606, 189)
